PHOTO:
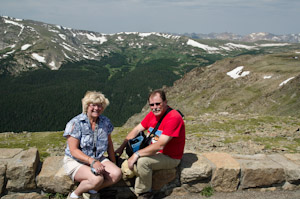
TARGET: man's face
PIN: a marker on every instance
(157, 105)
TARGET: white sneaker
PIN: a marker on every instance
(69, 197)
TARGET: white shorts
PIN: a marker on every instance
(71, 166)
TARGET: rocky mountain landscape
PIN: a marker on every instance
(248, 104)
(45, 66)
(239, 95)
(230, 92)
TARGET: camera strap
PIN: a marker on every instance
(158, 123)
(95, 140)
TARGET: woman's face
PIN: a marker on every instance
(94, 110)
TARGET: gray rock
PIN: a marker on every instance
(291, 169)
(53, 178)
(2, 175)
(194, 167)
(24, 196)
(225, 177)
(21, 170)
(162, 177)
(259, 171)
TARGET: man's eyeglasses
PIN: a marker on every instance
(157, 104)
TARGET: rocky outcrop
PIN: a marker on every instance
(22, 175)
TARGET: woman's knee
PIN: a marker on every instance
(96, 181)
(116, 175)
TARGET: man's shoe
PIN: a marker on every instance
(86, 196)
(91, 195)
(146, 195)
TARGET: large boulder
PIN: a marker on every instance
(194, 168)
(21, 169)
(32, 195)
(2, 176)
(291, 169)
(162, 177)
(53, 178)
(225, 176)
(259, 171)
(195, 172)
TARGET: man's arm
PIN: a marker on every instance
(133, 133)
(150, 150)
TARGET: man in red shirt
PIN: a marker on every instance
(166, 148)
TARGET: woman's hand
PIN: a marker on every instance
(100, 168)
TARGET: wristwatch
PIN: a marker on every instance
(94, 161)
(138, 154)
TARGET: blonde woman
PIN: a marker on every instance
(88, 138)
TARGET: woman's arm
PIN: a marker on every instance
(76, 152)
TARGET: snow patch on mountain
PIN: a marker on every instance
(286, 81)
(53, 66)
(274, 44)
(25, 47)
(38, 58)
(16, 24)
(205, 47)
(64, 37)
(238, 72)
(267, 76)
(167, 36)
(234, 46)
(93, 37)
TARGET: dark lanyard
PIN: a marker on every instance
(95, 140)
(158, 123)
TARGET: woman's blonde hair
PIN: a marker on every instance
(94, 97)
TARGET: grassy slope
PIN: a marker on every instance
(270, 132)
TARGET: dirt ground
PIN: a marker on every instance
(246, 194)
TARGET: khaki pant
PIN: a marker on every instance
(145, 166)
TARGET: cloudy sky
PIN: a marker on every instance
(173, 16)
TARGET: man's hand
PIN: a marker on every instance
(132, 160)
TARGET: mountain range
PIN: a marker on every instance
(253, 37)
(45, 70)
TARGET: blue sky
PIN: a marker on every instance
(173, 16)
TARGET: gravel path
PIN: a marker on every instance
(248, 194)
